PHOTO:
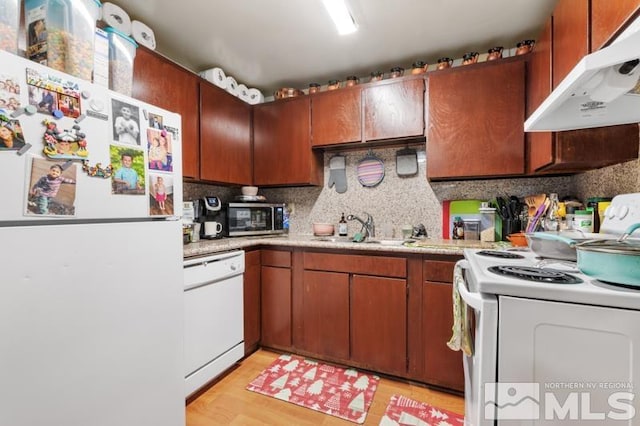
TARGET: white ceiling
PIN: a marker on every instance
(270, 44)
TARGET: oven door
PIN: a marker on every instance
(480, 367)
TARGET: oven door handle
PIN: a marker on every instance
(472, 299)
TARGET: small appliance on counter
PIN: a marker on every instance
(212, 218)
(245, 219)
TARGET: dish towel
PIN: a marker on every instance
(461, 337)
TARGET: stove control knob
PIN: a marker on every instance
(609, 212)
(622, 212)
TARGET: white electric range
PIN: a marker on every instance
(551, 345)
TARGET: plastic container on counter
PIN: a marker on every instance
(9, 24)
(487, 223)
(122, 52)
(583, 220)
(61, 33)
(471, 229)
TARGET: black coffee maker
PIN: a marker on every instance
(212, 217)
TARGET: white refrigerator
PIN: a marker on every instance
(91, 309)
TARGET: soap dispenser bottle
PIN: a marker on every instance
(342, 226)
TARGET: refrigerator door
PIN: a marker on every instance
(99, 116)
(91, 325)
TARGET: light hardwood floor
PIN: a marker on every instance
(229, 403)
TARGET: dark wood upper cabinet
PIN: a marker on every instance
(394, 110)
(336, 117)
(282, 152)
(571, 36)
(608, 19)
(161, 82)
(475, 120)
(576, 150)
(225, 137)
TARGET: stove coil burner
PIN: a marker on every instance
(500, 254)
(550, 276)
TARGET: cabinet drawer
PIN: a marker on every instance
(438, 270)
(252, 258)
(356, 264)
(280, 258)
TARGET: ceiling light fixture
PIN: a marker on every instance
(341, 16)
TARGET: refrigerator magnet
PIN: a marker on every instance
(97, 170)
(67, 144)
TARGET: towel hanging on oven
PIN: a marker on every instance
(461, 338)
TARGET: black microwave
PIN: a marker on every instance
(243, 219)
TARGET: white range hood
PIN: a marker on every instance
(601, 90)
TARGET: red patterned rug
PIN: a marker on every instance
(403, 411)
(344, 393)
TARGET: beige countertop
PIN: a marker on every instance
(422, 246)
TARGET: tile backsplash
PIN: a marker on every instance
(397, 201)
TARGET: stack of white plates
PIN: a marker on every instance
(219, 78)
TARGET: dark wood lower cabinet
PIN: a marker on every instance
(431, 320)
(325, 313)
(379, 323)
(276, 307)
(383, 312)
(442, 366)
(251, 301)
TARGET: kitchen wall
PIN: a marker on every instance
(394, 202)
(609, 181)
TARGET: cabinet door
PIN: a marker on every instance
(282, 144)
(475, 120)
(251, 301)
(394, 110)
(570, 36)
(162, 83)
(608, 19)
(276, 307)
(442, 366)
(325, 314)
(539, 85)
(225, 133)
(336, 117)
(379, 323)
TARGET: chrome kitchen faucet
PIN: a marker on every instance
(368, 228)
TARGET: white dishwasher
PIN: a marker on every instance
(214, 324)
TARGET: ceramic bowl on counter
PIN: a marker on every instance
(518, 239)
(323, 229)
(251, 191)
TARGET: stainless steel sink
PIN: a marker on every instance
(332, 239)
(388, 242)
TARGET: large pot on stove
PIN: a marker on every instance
(614, 261)
(559, 245)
